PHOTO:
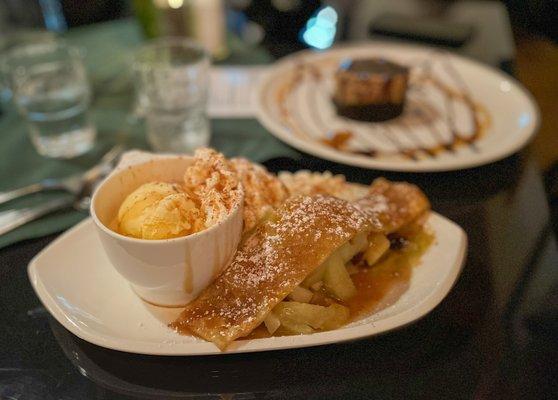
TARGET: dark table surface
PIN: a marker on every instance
(494, 336)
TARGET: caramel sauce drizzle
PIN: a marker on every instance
(381, 285)
(340, 139)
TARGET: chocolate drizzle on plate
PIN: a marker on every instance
(424, 130)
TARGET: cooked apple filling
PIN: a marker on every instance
(318, 303)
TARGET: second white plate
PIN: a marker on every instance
(80, 288)
(434, 131)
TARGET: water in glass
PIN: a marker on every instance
(172, 86)
(53, 95)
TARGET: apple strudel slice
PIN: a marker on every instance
(270, 264)
(295, 273)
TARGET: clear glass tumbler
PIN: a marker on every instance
(50, 89)
(171, 77)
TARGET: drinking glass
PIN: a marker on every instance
(171, 76)
(50, 89)
(11, 40)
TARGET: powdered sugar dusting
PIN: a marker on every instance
(390, 205)
(275, 259)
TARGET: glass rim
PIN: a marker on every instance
(20, 37)
(168, 42)
(16, 56)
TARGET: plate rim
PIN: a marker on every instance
(360, 161)
(202, 348)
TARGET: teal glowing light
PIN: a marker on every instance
(524, 120)
(320, 30)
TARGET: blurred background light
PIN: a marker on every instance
(53, 15)
(175, 3)
(320, 30)
(524, 120)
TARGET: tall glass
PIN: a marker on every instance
(51, 91)
(172, 88)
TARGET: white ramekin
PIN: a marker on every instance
(169, 272)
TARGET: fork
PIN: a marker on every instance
(12, 219)
(71, 184)
(82, 191)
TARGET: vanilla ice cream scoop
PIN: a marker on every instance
(159, 210)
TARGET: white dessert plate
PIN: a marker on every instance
(473, 115)
(80, 288)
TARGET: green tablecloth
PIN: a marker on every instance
(109, 47)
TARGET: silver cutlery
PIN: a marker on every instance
(71, 184)
(80, 186)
